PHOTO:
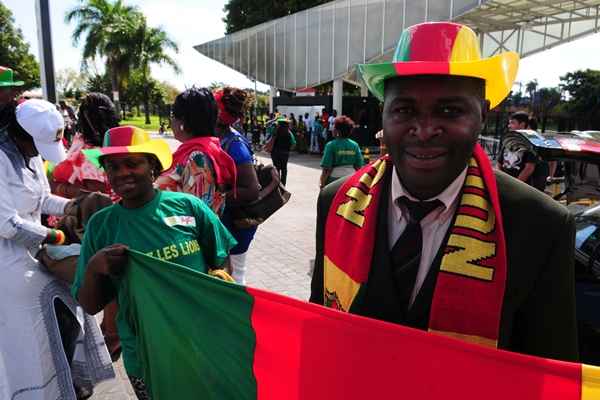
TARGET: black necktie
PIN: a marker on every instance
(406, 253)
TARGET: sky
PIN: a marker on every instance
(192, 22)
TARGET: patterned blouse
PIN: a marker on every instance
(196, 177)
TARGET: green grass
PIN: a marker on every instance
(140, 122)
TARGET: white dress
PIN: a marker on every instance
(33, 364)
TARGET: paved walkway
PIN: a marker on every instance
(279, 257)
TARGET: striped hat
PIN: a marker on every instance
(130, 139)
(444, 48)
(6, 78)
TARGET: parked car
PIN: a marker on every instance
(579, 153)
(587, 283)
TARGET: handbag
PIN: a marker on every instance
(272, 196)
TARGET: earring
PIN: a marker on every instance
(181, 127)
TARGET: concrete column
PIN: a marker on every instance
(338, 93)
(272, 93)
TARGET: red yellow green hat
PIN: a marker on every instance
(444, 48)
(6, 78)
(130, 139)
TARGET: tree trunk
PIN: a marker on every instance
(114, 82)
(146, 100)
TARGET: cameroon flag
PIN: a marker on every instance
(202, 338)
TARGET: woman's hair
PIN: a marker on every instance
(13, 127)
(197, 108)
(234, 101)
(343, 125)
(96, 115)
(156, 165)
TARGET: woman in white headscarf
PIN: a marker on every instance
(41, 324)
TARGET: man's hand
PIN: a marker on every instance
(110, 261)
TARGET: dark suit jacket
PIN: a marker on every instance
(538, 314)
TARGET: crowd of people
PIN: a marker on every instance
(440, 240)
(69, 217)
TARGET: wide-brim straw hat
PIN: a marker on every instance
(444, 48)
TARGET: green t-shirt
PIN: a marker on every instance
(174, 226)
(342, 152)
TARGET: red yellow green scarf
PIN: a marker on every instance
(468, 296)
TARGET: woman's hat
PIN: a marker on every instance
(444, 48)
(6, 78)
(128, 140)
(42, 121)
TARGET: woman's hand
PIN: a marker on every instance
(110, 261)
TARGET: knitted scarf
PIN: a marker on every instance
(469, 291)
(223, 164)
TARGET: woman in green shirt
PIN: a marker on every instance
(171, 226)
(341, 156)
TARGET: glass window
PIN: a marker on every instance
(586, 234)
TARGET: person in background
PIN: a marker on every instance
(330, 125)
(283, 140)
(142, 221)
(70, 120)
(342, 156)
(517, 157)
(308, 122)
(44, 332)
(325, 119)
(75, 174)
(231, 103)
(301, 138)
(315, 134)
(8, 92)
(200, 166)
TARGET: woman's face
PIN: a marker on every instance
(131, 177)
(178, 129)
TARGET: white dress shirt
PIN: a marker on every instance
(434, 226)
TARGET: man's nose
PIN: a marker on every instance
(425, 128)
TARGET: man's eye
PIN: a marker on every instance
(451, 110)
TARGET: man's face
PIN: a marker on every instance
(431, 124)
(513, 125)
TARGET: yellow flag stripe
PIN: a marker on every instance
(590, 382)
(480, 340)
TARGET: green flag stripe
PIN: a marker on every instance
(194, 358)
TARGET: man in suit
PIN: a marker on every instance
(452, 246)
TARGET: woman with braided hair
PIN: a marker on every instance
(231, 103)
(96, 115)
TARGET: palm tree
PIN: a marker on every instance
(108, 28)
(152, 44)
(531, 88)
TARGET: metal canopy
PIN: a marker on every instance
(326, 42)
